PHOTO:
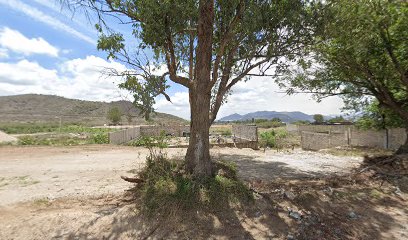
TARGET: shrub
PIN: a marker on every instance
(166, 187)
(100, 138)
(272, 138)
(160, 141)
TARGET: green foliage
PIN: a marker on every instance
(361, 54)
(69, 135)
(100, 138)
(263, 123)
(27, 128)
(272, 138)
(337, 119)
(167, 188)
(145, 89)
(114, 115)
(243, 31)
(318, 118)
(375, 117)
(301, 122)
(160, 141)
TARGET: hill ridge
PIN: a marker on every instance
(47, 108)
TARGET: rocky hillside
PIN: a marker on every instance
(49, 108)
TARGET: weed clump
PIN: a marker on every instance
(166, 187)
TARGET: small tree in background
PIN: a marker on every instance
(114, 115)
(318, 118)
(337, 119)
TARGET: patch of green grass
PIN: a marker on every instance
(272, 138)
(25, 181)
(167, 187)
(161, 141)
(64, 139)
(42, 202)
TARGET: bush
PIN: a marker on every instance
(166, 187)
(100, 138)
(160, 141)
(272, 138)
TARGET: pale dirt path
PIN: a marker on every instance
(29, 173)
(76, 193)
(5, 138)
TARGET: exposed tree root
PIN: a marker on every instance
(132, 180)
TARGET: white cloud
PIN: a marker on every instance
(82, 79)
(40, 16)
(25, 73)
(257, 94)
(178, 106)
(3, 53)
(262, 93)
(77, 78)
(17, 42)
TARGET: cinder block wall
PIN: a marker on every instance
(124, 136)
(351, 136)
(130, 134)
(396, 137)
(245, 132)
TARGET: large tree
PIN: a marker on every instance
(208, 46)
(362, 54)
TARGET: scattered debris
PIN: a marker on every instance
(352, 215)
(290, 195)
(295, 215)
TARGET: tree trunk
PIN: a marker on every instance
(198, 160)
(403, 149)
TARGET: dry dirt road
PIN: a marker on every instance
(32, 173)
(76, 193)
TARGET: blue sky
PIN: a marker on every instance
(46, 50)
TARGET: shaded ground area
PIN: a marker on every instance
(76, 193)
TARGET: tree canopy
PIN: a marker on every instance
(361, 54)
(207, 46)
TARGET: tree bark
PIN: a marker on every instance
(403, 149)
(198, 160)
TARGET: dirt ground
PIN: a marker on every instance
(76, 193)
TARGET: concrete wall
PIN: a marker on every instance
(245, 132)
(246, 136)
(130, 134)
(325, 128)
(292, 127)
(396, 137)
(176, 131)
(369, 138)
(124, 136)
(387, 139)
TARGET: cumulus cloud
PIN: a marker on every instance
(17, 42)
(262, 93)
(81, 78)
(257, 94)
(76, 78)
(178, 106)
(3, 53)
(25, 73)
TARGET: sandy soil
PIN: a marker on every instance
(77, 193)
(30, 173)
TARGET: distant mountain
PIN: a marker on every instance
(49, 108)
(288, 117)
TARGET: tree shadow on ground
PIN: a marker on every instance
(326, 208)
(250, 168)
